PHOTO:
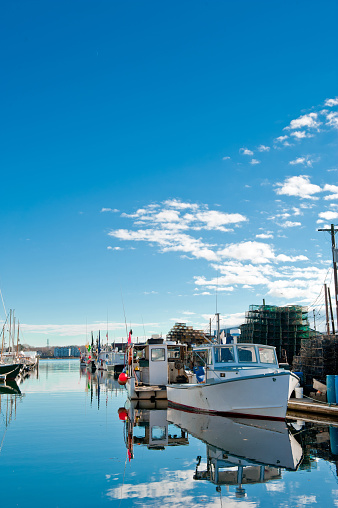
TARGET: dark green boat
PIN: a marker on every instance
(11, 370)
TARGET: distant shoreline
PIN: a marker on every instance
(59, 358)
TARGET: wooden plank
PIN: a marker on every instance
(312, 407)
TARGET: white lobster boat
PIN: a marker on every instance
(111, 361)
(236, 380)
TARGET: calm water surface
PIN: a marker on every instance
(66, 441)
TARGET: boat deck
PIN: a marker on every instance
(156, 392)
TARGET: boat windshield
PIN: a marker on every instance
(246, 354)
(267, 355)
(224, 354)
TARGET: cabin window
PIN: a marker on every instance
(201, 357)
(246, 354)
(174, 353)
(224, 354)
(209, 357)
(158, 433)
(158, 354)
(267, 355)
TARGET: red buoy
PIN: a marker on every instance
(123, 378)
(123, 414)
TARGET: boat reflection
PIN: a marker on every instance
(9, 388)
(100, 384)
(146, 424)
(240, 451)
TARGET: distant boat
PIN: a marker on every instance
(111, 361)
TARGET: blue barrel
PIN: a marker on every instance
(331, 389)
(301, 377)
(334, 440)
(336, 388)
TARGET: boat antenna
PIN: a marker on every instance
(144, 331)
(107, 328)
(124, 312)
(216, 294)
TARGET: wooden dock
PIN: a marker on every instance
(308, 409)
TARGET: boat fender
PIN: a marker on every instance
(122, 379)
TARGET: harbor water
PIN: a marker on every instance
(70, 438)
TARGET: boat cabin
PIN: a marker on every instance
(158, 362)
(235, 356)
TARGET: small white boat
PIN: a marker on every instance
(236, 380)
(111, 361)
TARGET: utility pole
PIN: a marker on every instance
(333, 231)
(314, 320)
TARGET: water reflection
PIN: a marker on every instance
(150, 427)
(240, 451)
(76, 430)
(99, 384)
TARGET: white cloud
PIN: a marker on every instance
(306, 161)
(332, 119)
(113, 210)
(299, 186)
(290, 224)
(114, 248)
(175, 203)
(73, 330)
(263, 148)
(309, 121)
(280, 139)
(246, 151)
(254, 161)
(264, 235)
(225, 158)
(213, 219)
(256, 252)
(328, 215)
(333, 189)
(168, 241)
(301, 134)
(291, 259)
(299, 160)
(331, 102)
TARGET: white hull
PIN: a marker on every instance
(259, 396)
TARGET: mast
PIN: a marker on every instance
(13, 334)
(218, 334)
(17, 340)
(10, 330)
(3, 341)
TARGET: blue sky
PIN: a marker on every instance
(158, 153)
